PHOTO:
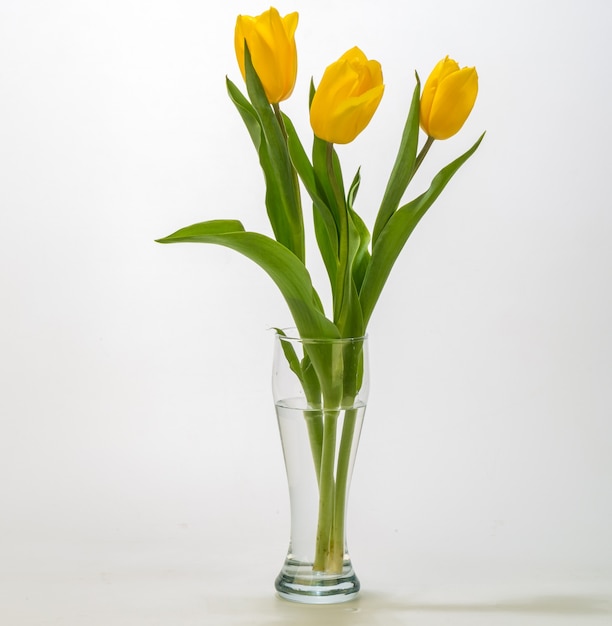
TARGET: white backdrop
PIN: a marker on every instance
(137, 434)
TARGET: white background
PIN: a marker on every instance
(141, 476)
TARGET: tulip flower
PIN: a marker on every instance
(447, 99)
(347, 97)
(271, 42)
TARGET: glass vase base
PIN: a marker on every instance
(297, 582)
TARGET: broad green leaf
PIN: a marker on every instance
(285, 269)
(211, 227)
(325, 190)
(247, 112)
(403, 168)
(328, 175)
(327, 241)
(350, 321)
(283, 194)
(395, 234)
(326, 231)
(274, 192)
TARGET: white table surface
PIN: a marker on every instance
(188, 579)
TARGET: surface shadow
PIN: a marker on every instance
(550, 604)
(378, 609)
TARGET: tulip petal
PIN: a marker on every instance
(290, 22)
(453, 103)
(353, 115)
(442, 69)
(271, 42)
(448, 97)
(347, 97)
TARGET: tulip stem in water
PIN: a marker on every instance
(336, 549)
(327, 490)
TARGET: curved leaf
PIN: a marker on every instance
(247, 112)
(362, 256)
(404, 166)
(285, 269)
(395, 234)
(326, 230)
(282, 188)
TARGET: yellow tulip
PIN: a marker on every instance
(447, 99)
(271, 42)
(347, 97)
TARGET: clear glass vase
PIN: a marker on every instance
(320, 390)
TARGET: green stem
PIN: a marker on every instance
(314, 424)
(336, 550)
(352, 369)
(314, 416)
(421, 156)
(326, 491)
(279, 118)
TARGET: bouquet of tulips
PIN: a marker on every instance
(357, 261)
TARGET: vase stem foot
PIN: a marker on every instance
(298, 582)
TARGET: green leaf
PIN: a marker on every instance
(397, 230)
(403, 168)
(347, 308)
(285, 269)
(349, 315)
(326, 230)
(353, 189)
(350, 319)
(247, 112)
(362, 254)
(274, 196)
(325, 189)
(282, 189)
(302, 369)
(291, 356)
(211, 227)
(330, 185)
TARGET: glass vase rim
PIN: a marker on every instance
(292, 334)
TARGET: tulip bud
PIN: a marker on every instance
(347, 97)
(447, 99)
(271, 42)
